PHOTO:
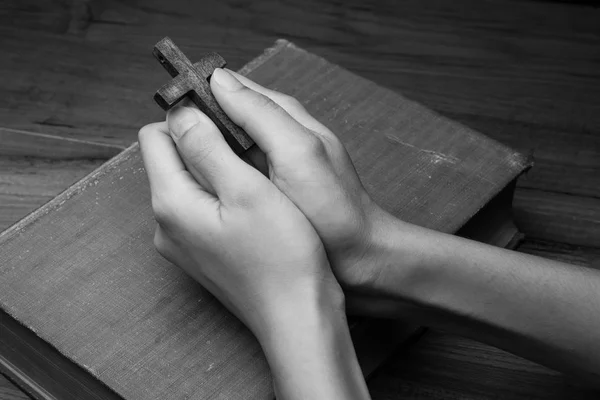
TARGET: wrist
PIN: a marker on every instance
(397, 252)
(418, 266)
(403, 263)
(300, 305)
(310, 352)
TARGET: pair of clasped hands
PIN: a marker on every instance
(288, 239)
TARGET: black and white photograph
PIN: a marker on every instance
(299, 199)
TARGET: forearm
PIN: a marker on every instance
(311, 354)
(540, 309)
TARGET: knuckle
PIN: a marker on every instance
(145, 131)
(149, 130)
(197, 149)
(163, 210)
(289, 102)
(246, 196)
(160, 243)
(312, 146)
(335, 144)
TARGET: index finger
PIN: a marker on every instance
(164, 167)
(161, 160)
(294, 108)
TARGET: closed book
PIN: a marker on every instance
(97, 313)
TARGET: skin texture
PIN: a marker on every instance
(304, 228)
(543, 310)
(231, 229)
(309, 164)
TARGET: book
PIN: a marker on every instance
(106, 317)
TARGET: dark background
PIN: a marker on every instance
(526, 73)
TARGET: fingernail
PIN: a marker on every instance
(226, 80)
(181, 119)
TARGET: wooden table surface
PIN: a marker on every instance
(526, 73)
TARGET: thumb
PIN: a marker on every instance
(203, 149)
(268, 124)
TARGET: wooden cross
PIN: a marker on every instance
(192, 80)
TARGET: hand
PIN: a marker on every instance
(308, 163)
(233, 231)
(229, 227)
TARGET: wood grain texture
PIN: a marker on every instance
(558, 217)
(488, 62)
(566, 161)
(21, 144)
(8, 391)
(577, 255)
(442, 366)
(192, 80)
(525, 73)
(34, 168)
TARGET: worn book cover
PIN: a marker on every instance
(82, 273)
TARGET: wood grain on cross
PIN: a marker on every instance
(192, 80)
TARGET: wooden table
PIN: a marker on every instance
(526, 73)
